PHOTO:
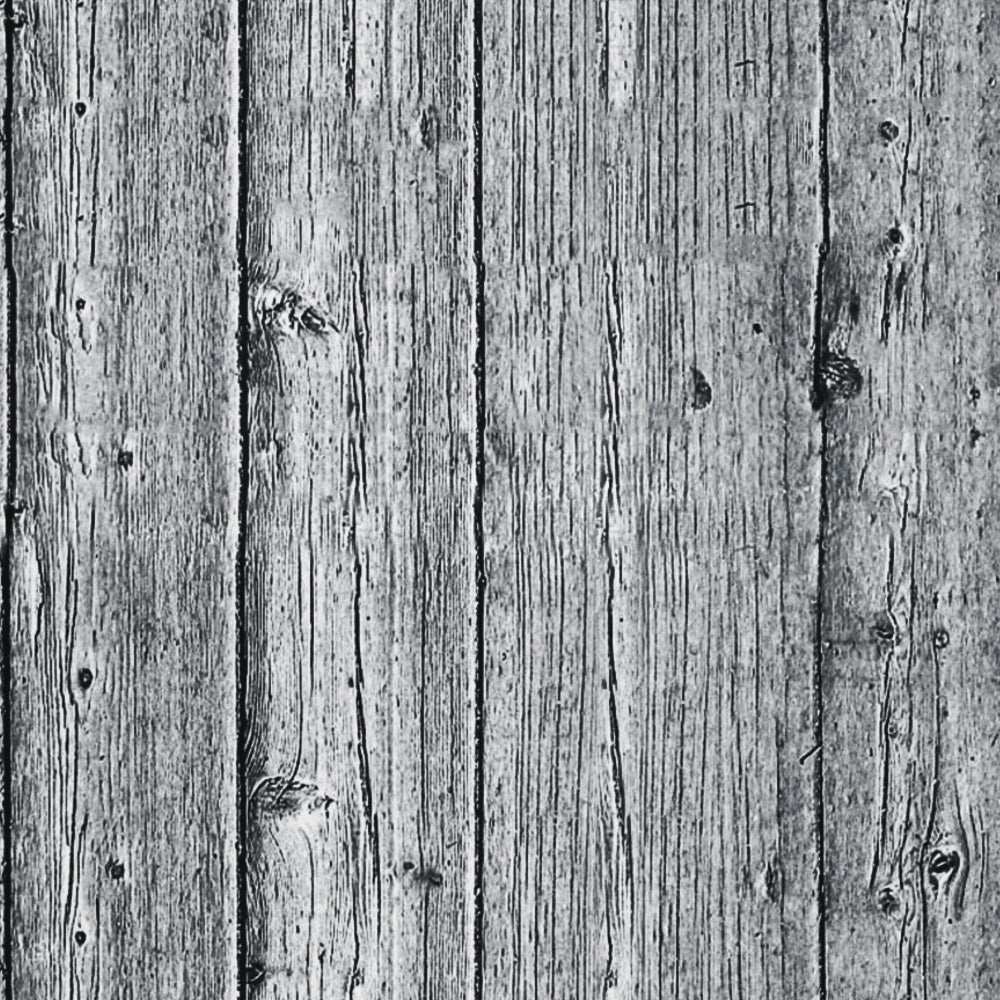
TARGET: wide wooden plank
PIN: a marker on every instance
(359, 523)
(912, 535)
(122, 612)
(652, 500)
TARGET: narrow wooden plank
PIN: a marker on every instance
(653, 500)
(359, 546)
(123, 551)
(913, 540)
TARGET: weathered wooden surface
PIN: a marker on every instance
(910, 598)
(654, 488)
(121, 605)
(359, 555)
(675, 321)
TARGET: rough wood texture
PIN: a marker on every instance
(359, 530)
(707, 393)
(122, 600)
(653, 501)
(910, 599)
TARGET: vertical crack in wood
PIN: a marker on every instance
(10, 505)
(479, 762)
(243, 370)
(819, 353)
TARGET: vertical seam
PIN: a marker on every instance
(10, 506)
(243, 366)
(479, 865)
(819, 401)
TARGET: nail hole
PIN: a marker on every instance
(941, 638)
(895, 236)
(80, 938)
(80, 108)
(125, 459)
(115, 869)
(81, 304)
(85, 677)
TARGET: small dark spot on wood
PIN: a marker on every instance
(702, 390)
(884, 629)
(408, 866)
(115, 869)
(941, 867)
(854, 306)
(974, 394)
(889, 130)
(974, 435)
(253, 973)
(840, 378)
(313, 321)
(125, 459)
(772, 881)
(350, 682)
(895, 236)
(892, 729)
(80, 937)
(86, 677)
(81, 304)
(430, 127)
(941, 638)
(80, 108)
(757, 328)
(888, 901)
(429, 876)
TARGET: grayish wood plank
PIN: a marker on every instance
(911, 597)
(653, 500)
(360, 596)
(123, 645)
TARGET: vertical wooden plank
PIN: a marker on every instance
(359, 548)
(913, 537)
(124, 519)
(652, 500)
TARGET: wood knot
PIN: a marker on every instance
(839, 378)
(941, 638)
(115, 869)
(884, 629)
(889, 130)
(941, 868)
(85, 677)
(702, 391)
(280, 797)
(430, 127)
(887, 901)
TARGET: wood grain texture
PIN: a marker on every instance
(122, 599)
(653, 500)
(359, 552)
(910, 598)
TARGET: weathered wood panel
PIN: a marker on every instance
(359, 544)
(122, 660)
(910, 599)
(653, 500)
